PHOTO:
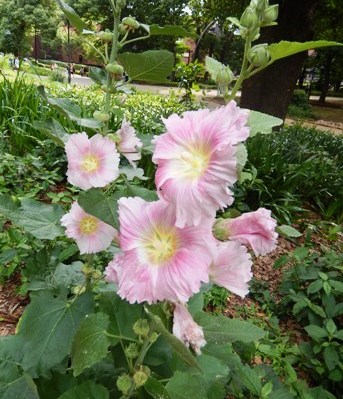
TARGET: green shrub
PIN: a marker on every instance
(295, 166)
(299, 106)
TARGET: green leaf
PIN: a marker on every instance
(156, 389)
(315, 286)
(262, 123)
(331, 357)
(68, 275)
(249, 378)
(300, 253)
(331, 327)
(184, 386)
(8, 208)
(86, 390)
(288, 231)
(315, 332)
(41, 220)
(122, 316)
(54, 130)
(131, 173)
(221, 329)
(98, 75)
(72, 16)
(284, 48)
(282, 261)
(90, 343)
(242, 156)
(337, 285)
(213, 67)
(48, 327)
(182, 351)
(7, 255)
(168, 30)
(133, 191)
(317, 310)
(95, 203)
(150, 66)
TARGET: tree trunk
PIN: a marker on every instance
(271, 90)
(326, 78)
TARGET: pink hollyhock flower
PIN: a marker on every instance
(232, 268)
(197, 161)
(159, 260)
(112, 270)
(255, 229)
(187, 330)
(92, 162)
(91, 234)
(129, 144)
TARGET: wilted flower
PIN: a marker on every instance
(255, 229)
(232, 267)
(159, 260)
(196, 161)
(129, 144)
(92, 162)
(187, 330)
(91, 234)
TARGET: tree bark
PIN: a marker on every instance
(271, 90)
(326, 78)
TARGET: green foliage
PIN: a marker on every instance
(314, 288)
(299, 106)
(288, 163)
(187, 76)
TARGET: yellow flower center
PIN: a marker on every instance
(88, 225)
(194, 162)
(161, 245)
(90, 163)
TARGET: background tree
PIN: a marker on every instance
(21, 19)
(270, 91)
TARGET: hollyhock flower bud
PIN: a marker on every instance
(91, 234)
(187, 330)
(259, 5)
(259, 55)
(122, 29)
(92, 162)
(255, 229)
(140, 378)
(270, 14)
(132, 350)
(124, 383)
(141, 327)
(249, 18)
(224, 78)
(115, 70)
(221, 229)
(232, 268)
(106, 36)
(101, 116)
(128, 143)
(130, 23)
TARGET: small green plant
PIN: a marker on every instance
(187, 76)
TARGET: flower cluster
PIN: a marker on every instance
(94, 162)
(171, 246)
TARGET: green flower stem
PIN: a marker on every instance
(243, 73)
(97, 51)
(88, 273)
(257, 70)
(121, 337)
(146, 346)
(136, 39)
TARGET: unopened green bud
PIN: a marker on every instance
(259, 5)
(130, 23)
(153, 337)
(249, 18)
(259, 55)
(141, 327)
(221, 230)
(140, 378)
(270, 14)
(114, 137)
(96, 274)
(78, 290)
(132, 351)
(124, 383)
(101, 116)
(122, 29)
(225, 76)
(106, 36)
(115, 70)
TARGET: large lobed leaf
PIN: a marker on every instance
(213, 67)
(91, 343)
(262, 123)
(48, 327)
(285, 48)
(87, 390)
(149, 66)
